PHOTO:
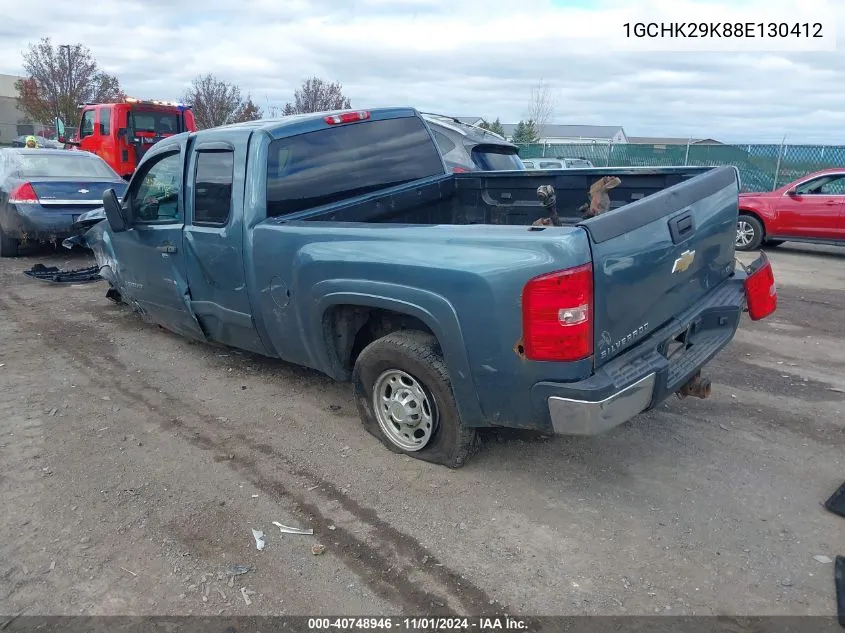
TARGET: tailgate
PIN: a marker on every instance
(656, 257)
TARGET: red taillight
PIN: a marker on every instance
(347, 117)
(557, 315)
(23, 194)
(761, 294)
(459, 170)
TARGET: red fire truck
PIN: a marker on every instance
(121, 133)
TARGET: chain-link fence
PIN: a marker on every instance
(761, 167)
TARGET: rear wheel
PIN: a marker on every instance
(749, 233)
(404, 397)
(9, 246)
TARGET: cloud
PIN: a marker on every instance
(471, 58)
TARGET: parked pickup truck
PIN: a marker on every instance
(339, 241)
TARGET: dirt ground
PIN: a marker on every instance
(134, 466)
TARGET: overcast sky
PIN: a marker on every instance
(472, 58)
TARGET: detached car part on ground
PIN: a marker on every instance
(809, 210)
(350, 248)
(43, 191)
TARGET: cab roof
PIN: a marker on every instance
(298, 123)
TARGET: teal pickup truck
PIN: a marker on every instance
(340, 241)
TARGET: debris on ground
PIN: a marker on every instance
(54, 275)
(246, 593)
(820, 558)
(258, 535)
(237, 570)
(285, 529)
(836, 502)
(317, 549)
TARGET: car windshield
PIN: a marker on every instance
(496, 159)
(69, 165)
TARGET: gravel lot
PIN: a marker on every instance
(134, 466)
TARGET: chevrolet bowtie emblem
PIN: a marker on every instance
(82, 191)
(683, 262)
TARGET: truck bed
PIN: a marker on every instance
(666, 243)
(503, 198)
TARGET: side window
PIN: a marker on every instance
(317, 168)
(86, 127)
(105, 121)
(443, 142)
(156, 198)
(834, 187)
(825, 185)
(213, 188)
(528, 164)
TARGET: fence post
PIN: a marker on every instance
(609, 150)
(686, 158)
(777, 167)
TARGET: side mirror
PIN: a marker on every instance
(791, 192)
(114, 212)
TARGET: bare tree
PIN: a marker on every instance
(272, 110)
(316, 95)
(217, 102)
(542, 106)
(59, 78)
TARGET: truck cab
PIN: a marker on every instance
(121, 133)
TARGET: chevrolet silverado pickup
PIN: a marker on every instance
(341, 242)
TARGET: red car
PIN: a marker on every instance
(810, 209)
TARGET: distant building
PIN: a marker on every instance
(559, 134)
(668, 140)
(13, 122)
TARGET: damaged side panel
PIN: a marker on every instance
(137, 274)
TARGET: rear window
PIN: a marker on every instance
(317, 168)
(496, 159)
(69, 165)
(158, 122)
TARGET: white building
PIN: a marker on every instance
(559, 134)
(13, 122)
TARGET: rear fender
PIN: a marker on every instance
(432, 309)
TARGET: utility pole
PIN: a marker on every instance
(69, 87)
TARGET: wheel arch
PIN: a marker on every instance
(756, 215)
(338, 317)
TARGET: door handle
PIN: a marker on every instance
(166, 248)
(830, 203)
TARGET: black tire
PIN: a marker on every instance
(773, 243)
(752, 231)
(9, 247)
(418, 354)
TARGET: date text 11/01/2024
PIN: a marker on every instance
(719, 30)
(419, 624)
